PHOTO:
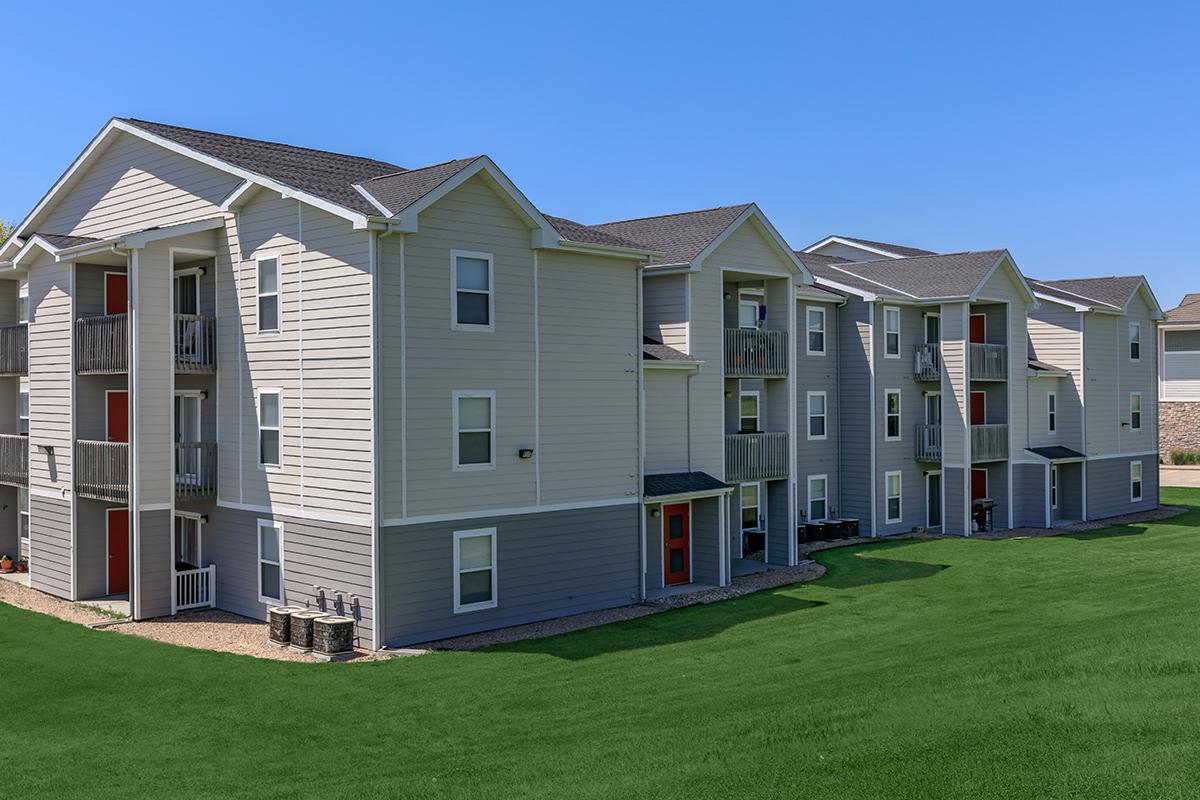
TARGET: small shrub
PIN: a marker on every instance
(1185, 456)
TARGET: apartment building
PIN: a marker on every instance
(237, 373)
(1178, 355)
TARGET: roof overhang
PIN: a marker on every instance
(752, 212)
(1005, 257)
(676, 498)
(851, 243)
(651, 363)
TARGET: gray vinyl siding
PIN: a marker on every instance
(50, 373)
(707, 418)
(779, 530)
(899, 455)
(1029, 495)
(9, 535)
(134, 185)
(666, 420)
(706, 541)
(334, 556)
(1110, 378)
(998, 492)
(548, 565)
(1070, 493)
(89, 288)
(91, 522)
(955, 491)
(664, 309)
(1180, 341)
(1108, 486)
(50, 546)
(1003, 287)
(854, 393)
(955, 458)
(154, 571)
(654, 548)
(1056, 337)
(818, 373)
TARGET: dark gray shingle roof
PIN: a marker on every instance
(654, 350)
(919, 277)
(60, 240)
(590, 234)
(1113, 292)
(1186, 313)
(898, 249)
(399, 190)
(681, 483)
(680, 237)
(1055, 453)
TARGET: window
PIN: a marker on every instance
(816, 331)
(1135, 411)
(23, 413)
(747, 314)
(474, 430)
(270, 413)
(1053, 486)
(474, 570)
(1135, 481)
(471, 302)
(1135, 341)
(891, 333)
(187, 541)
(751, 507)
(23, 513)
(749, 413)
(270, 562)
(1051, 412)
(816, 415)
(23, 302)
(933, 328)
(892, 483)
(268, 294)
(892, 415)
(818, 505)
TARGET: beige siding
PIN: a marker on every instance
(707, 418)
(666, 420)
(954, 386)
(747, 248)
(1103, 360)
(50, 372)
(664, 303)
(1139, 376)
(153, 360)
(1056, 334)
(1004, 286)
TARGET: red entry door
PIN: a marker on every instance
(978, 484)
(979, 329)
(677, 544)
(118, 550)
(116, 293)
(978, 408)
(117, 416)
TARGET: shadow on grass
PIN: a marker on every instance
(667, 628)
(854, 567)
(1115, 532)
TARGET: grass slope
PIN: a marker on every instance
(1064, 667)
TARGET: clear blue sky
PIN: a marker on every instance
(1067, 134)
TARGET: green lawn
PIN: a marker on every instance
(1064, 667)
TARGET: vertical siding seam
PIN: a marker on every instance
(135, 521)
(71, 432)
(639, 291)
(236, 258)
(537, 384)
(171, 400)
(403, 386)
(874, 433)
(373, 260)
(300, 333)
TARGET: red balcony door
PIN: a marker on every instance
(118, 550)
(978, 408)
(979, 329)
(677, 544)
(979, 489)
(116, 293)
(117, 416)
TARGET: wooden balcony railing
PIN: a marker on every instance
(756, 456)
(927, 362)
(989, 442)
(751, 353)
(102, 344)
(195, 343)
(14, 460)
(929, 442)
(102, 470)
(195, 470)
(989, 362)
(14, 350)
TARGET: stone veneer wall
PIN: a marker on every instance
(1178, 427)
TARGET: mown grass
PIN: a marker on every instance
(1063, 667)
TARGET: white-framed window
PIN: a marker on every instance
(23, 302)
(1135, 411)
(891, 412)
(474, 570)
(1135, 481)
(818, 497)
(751, 501)
(1051, 412)
(1054, 486)
(816, 330)
(23, 413)
(270, 427)
(747, 313)
(23, 513)
(891, 332)
(1135, 341)
(816, 416)
(267, 270)
(933, 328)
(188, 545)
(892, 484)
(270, 562)
(474, 430)
(472, 299)
(748, 412)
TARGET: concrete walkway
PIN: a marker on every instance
(1180, 476)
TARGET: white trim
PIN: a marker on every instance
(258, 564)
(1141, 482)
(808, 332)
(455, 325)
(258, 393)
(925, 326)
(887, 516)
(1134, 325)
(772, 235)
(1005, 256)
(809, 497)
(1110, 456)
(455, 397)
(751, 303)
(370, 198)
(899, 344)
(296, 513)
(537, 386)
(1052, 412)
(1054, 484)
(234, 198)
(824, 415)
(871, 368)
(663, 498)
(757, 395)
(270, 255)
(887, 393)
(862, 294)
(511, 512)
(851, 243)
(493, 568)
(1140, 412)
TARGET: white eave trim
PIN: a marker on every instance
(1005, 255)
(851, 243)
(753, 211)
(139, 239)
(675, 498)
(662, 364)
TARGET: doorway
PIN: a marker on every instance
(677, 544)
(116, 415)
(933, 500)
(117, 524)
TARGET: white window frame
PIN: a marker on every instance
(199, 520)
(1135, 337)
(1051, 412)
(808, 331)
(1054, 487)
(742, 303)
(887, 476)
(757, 409)
(23, 418)
(23, 302)
(888, 311)
(1139, 482)
(760, 511)
(925, 327)
(824, 499)
(887, 393)
(272, 467)
(1140, 413)
(455, 325)
(455, 396)
(824, 415)
(259, 294)
(278, 526)
(459, 608)
(23, 514)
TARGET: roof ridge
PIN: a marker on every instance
(674, 214)
(931, 255)
(419, 169)
(1068, 291)
(869, 280)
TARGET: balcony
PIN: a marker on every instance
(102, 344)
(756, 456)
(14, 350)
(195, 470)
(751, 353)
(927, 362)
(14, 460)
(989, 362)
(929, 442)
(989, 442)
(102, 470)
(196, 588)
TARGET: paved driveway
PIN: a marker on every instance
(1174, 476)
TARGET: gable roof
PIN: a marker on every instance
(679, 237)
(399, 190)
(1113, 293)
(60, 241)
(590, 234)
(1186, 313)
(932, 277)
(654, 350)
(884, 248)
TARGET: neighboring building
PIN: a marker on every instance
(236, 373)
(1179, 378)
